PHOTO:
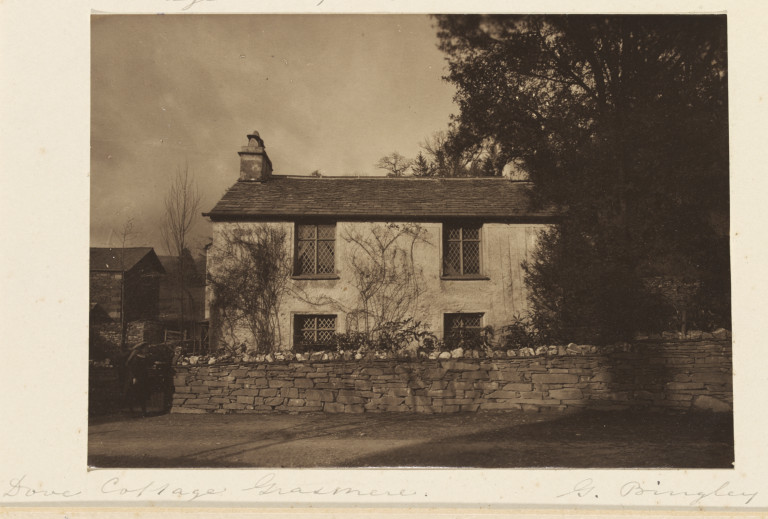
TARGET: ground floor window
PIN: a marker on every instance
(313, 331)
(461, 328)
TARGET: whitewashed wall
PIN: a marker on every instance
(499, 297)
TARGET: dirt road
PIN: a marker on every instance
(589, 439)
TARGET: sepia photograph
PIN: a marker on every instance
(410, 241)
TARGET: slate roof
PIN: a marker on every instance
(379, 197)
(108, 258)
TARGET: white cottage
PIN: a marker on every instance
(358, 252)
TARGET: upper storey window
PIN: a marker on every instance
(461, 250)
(315, 249)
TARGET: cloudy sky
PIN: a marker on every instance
(327, 92)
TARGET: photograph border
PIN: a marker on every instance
(45, 146)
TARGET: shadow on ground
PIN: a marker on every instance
(585, 440)
(589, 439)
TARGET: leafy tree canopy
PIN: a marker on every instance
(620, 120)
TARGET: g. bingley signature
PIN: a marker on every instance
(586, 487)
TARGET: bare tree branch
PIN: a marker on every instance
(182, 203)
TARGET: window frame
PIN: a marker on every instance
(297, 270)
(299, 320)
(446, 332)
(461, 225)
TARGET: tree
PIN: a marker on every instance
(445, 160)
(421, 167)
(442, 156)
(621, 121)
(182, 202)
(395, 164)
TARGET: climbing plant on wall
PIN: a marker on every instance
(253, 266)
(384, 274)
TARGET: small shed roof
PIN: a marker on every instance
(379, 197)
(109, 258)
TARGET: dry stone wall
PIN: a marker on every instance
(679, 376)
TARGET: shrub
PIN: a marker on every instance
(392, 337)
(349, 341)
(582, 290)
(471, 339)
(396, 336)
(521, 333)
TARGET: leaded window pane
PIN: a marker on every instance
(325, 257)
(470, 320)
(324, 336)
(326, 323)
(453, 258)
(306, 232)
(315, 248)
(311, 330)
(452, 321)
(461, 251)
(326, 232)
(471, 250)
(306, 257)
(459, 327)
(470, 233)
(306, 322)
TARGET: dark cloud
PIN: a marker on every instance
(329, 92)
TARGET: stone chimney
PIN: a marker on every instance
(255, 165)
